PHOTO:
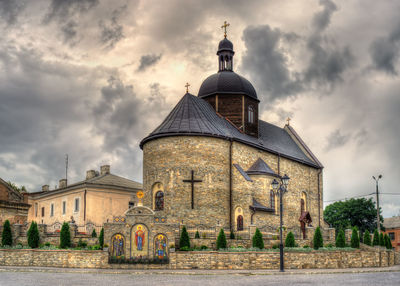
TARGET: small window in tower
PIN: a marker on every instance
(159, 202)
(251, 114)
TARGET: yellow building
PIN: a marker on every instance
(97, 199)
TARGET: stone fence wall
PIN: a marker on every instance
(205, 259)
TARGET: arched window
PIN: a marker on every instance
(159, 201)
(239, 222)
(250, 114)
(272, 199)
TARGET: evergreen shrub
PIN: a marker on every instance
(197, 235)
(367, 238)
(184, 239)
(340, 239)
(381, 240)
(94, 233)
(258, 239)
(6, 236)
(33, 235)
(65, 236)
(101, 238)
(289, 241)
(355, 241)
(375, 240)
(388, 243)
(318, 240)
(221, 240)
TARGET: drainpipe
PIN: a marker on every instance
(84, 207)
(230, 184)
(319, 198)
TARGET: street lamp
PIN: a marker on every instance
(282, 188)
(377, 202)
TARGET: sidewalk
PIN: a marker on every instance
(395, 268)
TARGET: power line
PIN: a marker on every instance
(360, 196)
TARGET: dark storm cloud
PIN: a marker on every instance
(147, 61)
(112, 31)
(385, 51)
(10, 10)
(322, 19)
(336, 139)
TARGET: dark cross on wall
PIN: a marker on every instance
(192, 181)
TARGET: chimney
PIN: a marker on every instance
(62, 183)
(90, 174)
(45, 188)
(105, 169)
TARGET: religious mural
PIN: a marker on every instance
(140, 241)
(160, 246)
(118, 245)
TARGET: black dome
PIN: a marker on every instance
(225, 45)
(226, 82)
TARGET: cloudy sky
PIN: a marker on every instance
(91, 78)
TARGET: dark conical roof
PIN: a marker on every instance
(226, 82)
(225, 45)
(260, 167)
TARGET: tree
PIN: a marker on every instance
(221, 240)
(340, 239)
(184, 239)
(101, 237)
(375, 240)
(6, 236)
(355, 240)
(197, 235)
(65, 236)
(13, 186)
(290, 242)
(381, 240)
(258, 239)
(33, 235)
(388, 243)
(318, 240)
(94, 233)
(354, 212)
(367, 238)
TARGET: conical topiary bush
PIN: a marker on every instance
(340, 239)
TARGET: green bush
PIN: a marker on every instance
(318, 240)
(329, 245)
(47, 244)
(184, 239)
(185, 248)
(197, 235)
(101, 238)
(289, 241)
(381, 240)
(306, 246)
(82, 243)
(221, 240)
(275, 246)
(94, 233)
(232, 235)
(355, 240)
(6, 236)
(340, 239)
(388, 243)
(33, 235)
(375, 240)
(258, 239)
(65, 236)
(203, 247)
(367, 238)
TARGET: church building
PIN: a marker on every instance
(210, 165)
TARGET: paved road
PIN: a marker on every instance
(12, 277)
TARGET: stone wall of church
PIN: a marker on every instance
(170, 160)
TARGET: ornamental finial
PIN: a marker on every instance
(224, 26)
(187, 87)
(288, 121)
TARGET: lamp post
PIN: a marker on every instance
(377, 202)
(282, 188)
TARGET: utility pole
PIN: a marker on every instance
(377, 202)
(66, 167)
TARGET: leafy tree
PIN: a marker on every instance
(94, 233)
(33, 235)
(375, 240)
(289, 241)
(65, 236)
(340, 239)
(232, 235)
(6, 236)
(184, 239)
(355, 240)
(221, 240)
(258, 239)
(101, 238)
(354, 212)
(367, 238)
(318, 240)
(381, 240)
(388, 243)
(16, 188)
(197, 235)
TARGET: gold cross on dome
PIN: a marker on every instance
(226, 24)
(187, 87)
(288, 121)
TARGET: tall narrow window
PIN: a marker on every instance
(239, 222)
(42, 211)
(250, 114)
(36, 209)
(64, 207)
(159, 201)
(76, 209)
(52, 210)
(272, 199)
